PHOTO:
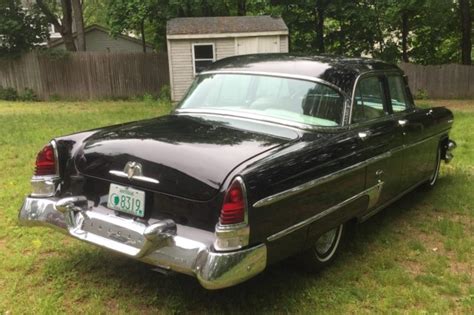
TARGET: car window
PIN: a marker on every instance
(368, 100)
(290, 99)
(398, 96)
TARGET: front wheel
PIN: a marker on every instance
(435, 175)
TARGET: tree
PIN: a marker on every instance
(466, 31)
(20, 30)
(63, 24)
(79, 23)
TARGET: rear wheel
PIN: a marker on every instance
(324, 250)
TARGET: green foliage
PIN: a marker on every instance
(353, 28)
(28, 95)
(421, 94)
(165, 93)
(20, 30)
(8, 94)
(54, 54)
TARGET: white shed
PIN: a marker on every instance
(194, 43)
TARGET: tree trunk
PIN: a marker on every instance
(142, 30)
(66, 29)
(320, 29)
(242, 7)
(404, 37)
(466, 29)
(65, 26)
(79, 23)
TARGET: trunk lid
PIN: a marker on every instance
(189, 156)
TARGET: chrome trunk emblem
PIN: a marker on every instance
(134, 171)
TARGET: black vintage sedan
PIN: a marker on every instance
(266, 156)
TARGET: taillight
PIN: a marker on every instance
(46, 161)
(233, 230)
(233, 208)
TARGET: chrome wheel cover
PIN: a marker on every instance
(327, 244)
(435, 175)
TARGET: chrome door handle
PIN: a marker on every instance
(402, 122)
(364, 135)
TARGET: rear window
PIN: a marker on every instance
(289, 99)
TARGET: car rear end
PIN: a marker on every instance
(183, 238)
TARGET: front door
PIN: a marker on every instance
(418, 150)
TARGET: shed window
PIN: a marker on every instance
(203, 56)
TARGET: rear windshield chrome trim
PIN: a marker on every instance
(281, 75)
(252, 116)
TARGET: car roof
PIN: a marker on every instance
(340, 71)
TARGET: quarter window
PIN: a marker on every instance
(398, 95)
(368, 100)
(203, 56)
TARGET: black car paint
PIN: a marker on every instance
(271, 158)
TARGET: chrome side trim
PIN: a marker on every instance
(134, 178)
(381, 207)
(322, 180)
(319, 181)
(373, 193)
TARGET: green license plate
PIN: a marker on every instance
(126, 199)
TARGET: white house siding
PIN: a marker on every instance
(181, 66)
(284, 43)
(225, 47)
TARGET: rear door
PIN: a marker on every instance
(379, 135)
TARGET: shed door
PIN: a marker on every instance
(253, 45)
(269, 44)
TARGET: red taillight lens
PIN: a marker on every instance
(46, 162)
(233, 209)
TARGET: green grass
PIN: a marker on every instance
(415, 256)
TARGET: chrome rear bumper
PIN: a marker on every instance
(450, 146)
(161, 243)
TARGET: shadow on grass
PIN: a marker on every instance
(279, 287)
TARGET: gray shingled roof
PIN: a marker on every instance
(225, 24)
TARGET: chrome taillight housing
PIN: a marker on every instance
(45, 181)
(232, 230)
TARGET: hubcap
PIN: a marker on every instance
(435, 175)
(326, 241)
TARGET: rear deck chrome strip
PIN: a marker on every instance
(134, 178)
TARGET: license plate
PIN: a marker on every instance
(126, 199)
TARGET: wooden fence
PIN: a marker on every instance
(441, 82)
(99, 75)
(87, 75)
